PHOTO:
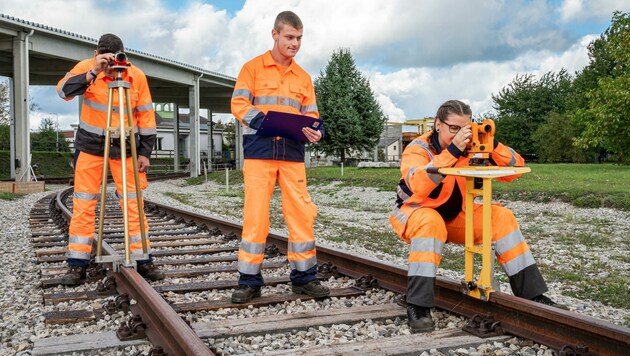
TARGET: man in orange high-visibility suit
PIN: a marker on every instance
(273, 81)
(430, 211)
(90, 78)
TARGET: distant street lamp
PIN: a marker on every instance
(56, 131)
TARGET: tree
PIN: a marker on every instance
(524, 104)
(47, 138)
(554, 141)
(353, 118)
(605, 113)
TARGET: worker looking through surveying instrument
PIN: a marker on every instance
(429, 212)
(92, 78)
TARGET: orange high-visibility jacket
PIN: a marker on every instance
(417, 188)
(93, 121)
(263, 85)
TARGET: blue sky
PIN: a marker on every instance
(416, 54)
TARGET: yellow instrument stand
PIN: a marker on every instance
(481, 288)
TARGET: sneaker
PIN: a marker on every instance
(543, 299)
(150, 271)
(244, 294)
(74, 276)
(313, 288)
(420, 319)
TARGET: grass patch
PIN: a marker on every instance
(182, 198)
(9, 196)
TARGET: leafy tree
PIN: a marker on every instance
(45, 139)
(554, 140)
(605, 113)
(353, 118)
(524, 104)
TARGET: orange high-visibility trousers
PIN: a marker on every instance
(299, 213)
(427, 233)
(87, 186)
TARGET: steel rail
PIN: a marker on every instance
(556, 328)
(164, 327)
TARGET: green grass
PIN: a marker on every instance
(583, 185)
(9, 196)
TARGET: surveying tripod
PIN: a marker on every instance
(124, 129)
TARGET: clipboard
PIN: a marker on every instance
(287, 125)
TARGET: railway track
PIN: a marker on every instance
(190, 313)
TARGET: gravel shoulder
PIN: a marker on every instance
(564, 240)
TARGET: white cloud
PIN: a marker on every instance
(416, 54)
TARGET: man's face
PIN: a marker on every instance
(288, 40)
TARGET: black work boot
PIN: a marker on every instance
(420, 319)
(313, 288)
(244, 294)
(74, 276)
(543, 299)
(150, 272)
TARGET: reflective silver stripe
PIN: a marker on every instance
(508, 242)
(147, 131)
(277, 100)
(400, 216)
(248, 268)
(81, 240)
(435, 177)
(130, 195)
(251, 114)
(303, 265)
(60, 92)
(249, 247)
(513, 160)
(401, 193)
(423, 145)
(145, 107)
(91, 129)
(97, 106)
(422, 269)
(518, 264)
(245, 93)
(135, 238)
(85, 196)
(301, 247)
(249, 131)
(426, 244)
(79, 255)
(410, 173)
(308, 108)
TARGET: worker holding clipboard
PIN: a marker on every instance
(275, 101)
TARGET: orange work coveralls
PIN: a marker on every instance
(430, 210)
(89, 142)
(263, 85)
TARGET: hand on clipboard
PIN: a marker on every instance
(287, 125)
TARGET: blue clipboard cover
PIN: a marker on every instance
(287, 125)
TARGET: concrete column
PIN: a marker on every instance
(20, 122)
(176, 152)
(195, 157)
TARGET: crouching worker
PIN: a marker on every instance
(90, 79)
(430, 212)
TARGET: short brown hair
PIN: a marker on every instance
(287, 18)
(109, 43)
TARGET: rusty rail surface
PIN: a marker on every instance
(164, 328)
(568, 332)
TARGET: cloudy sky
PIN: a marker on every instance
(416, 53)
